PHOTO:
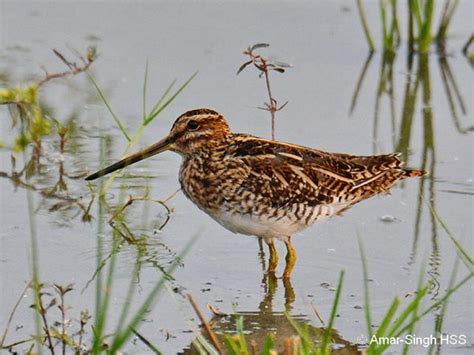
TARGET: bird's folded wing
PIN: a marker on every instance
(295, 174)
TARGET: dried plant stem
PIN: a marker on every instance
(468, 43)
(12, 345)
(316, 312)
(12, 313)
(81, 335)
(132, 199)
(170, 197)
(146, 342)
(42, 311)
(264, 66)
(272, 108)
(209, 331)
(74, 69)
(63, 321)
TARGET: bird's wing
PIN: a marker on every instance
(286, 173)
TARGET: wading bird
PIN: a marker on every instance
(266, 188)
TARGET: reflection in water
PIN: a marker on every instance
(385, 86)
(50, 161)
(258, 324)
(52, 167)
(53, 189)
(418, 89)
(428, 161)
(61, 194)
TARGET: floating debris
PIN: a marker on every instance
(388, 219)
(216, 311)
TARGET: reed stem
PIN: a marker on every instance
(363, 20)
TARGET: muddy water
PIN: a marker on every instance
(325, 44)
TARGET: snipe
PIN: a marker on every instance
(266, 188)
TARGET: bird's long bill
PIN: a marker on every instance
(131, 159)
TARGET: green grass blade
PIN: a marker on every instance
(388, 317)
(205, 346)
(163, 96)
(236, 344)
(306, 339)
(102, 316)
(415, 10)
(145, 341)
(99, 253)
(425, 34)
(465, 257)
(170, 100)
(145, 85)
(363, 19)
(121, 338)
(200, 343)
(240, 330)
(106, 102)
(449, 16)
(365, 272)
(414, 314)
(436, 304)
(196, 345)
(268, 345)
(395, 30)
(35, 278)
(401, 319)
(439, 321)
(408, 310)
(129, 296)
(232, 345)
(383, 17)
(327, 333)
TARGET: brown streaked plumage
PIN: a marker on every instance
(267, 188)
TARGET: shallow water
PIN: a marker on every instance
(325, 44)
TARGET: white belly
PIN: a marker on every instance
(255, 225)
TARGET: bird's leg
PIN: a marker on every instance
(290, 258)
(289, 294)
(270, 283)
(261, 254)
(273, 260)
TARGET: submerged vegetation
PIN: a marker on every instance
(53, 331)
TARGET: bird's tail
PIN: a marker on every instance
(414, 172)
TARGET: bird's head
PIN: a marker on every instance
(193, 132)
(196, 131)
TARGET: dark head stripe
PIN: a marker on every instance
(197, 112)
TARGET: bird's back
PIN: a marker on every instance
(285, 187)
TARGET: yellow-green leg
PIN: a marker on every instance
(261, 254)
(290, 295)
(273, 260)
(290, 258)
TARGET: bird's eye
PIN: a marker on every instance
(192, 124)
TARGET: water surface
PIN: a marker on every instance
(325, 44)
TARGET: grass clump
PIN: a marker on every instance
(399, 320)
(55, 332)
(420, 20)
(25, 107)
